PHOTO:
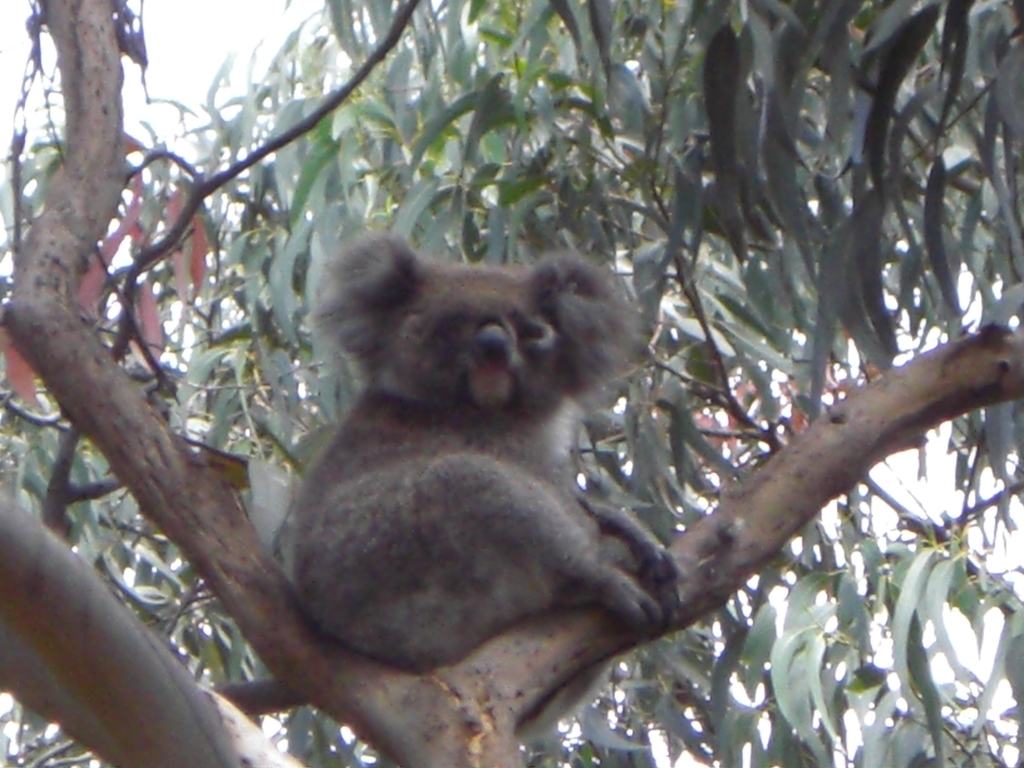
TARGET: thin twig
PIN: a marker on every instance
(163, 154)
(93, 491)
(55, 504)
(147, 256)
(36, 419)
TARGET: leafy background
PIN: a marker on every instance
(800, 195)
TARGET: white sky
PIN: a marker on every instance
(187, 42)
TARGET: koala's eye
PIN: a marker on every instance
(536, 335)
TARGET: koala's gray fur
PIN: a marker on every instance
(444, 510)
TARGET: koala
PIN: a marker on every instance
(445, 509)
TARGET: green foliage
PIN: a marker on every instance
(801, 194)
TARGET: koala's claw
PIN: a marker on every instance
(646, 608)
(659, 567)
(659, 575)
(655, 614)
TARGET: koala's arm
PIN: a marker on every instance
(655, 565)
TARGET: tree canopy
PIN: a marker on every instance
(802, 197)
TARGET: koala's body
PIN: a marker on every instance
(445, 510)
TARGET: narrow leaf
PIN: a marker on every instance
(626, 100)
(906, 607)
(758, 646)
(831, 284)
(869, 319)
(780, 164)
(935, 601)
(790, 675)
(953, 56)
(284, 301)
(721, 80)
(564, 12)
(921, 675)
(493, 108)
(437, 124)
(197, 255)
(1015, 672)
(934, 205)
(413, 206)
(721, 86)
(1010, 90)
(815, 669)
(998, 436)
(900, 56)
(886, 25)
(320, 157)
(600, 12)
(150, 328)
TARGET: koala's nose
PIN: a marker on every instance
(494, 344)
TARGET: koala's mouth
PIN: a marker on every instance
(492, 385)
(493, 364)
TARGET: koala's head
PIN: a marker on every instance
(450, 335)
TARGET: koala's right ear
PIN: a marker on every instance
(364, 291)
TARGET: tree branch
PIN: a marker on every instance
(132, 700)
(758, 516)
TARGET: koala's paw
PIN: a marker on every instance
(645, 609)
(657, 566)
(659, 574)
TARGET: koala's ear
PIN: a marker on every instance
(568, 275)
(595, 325)
(365, 291)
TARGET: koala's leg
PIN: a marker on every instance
(528, 542)
(592, 577)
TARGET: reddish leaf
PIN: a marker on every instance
(129, 224)
(110, 245)
(174, 206)
(131, 216)
(20, 375)
(180, 283)
(200, 247)
(195, 269)
(131, 144)
(150, 329)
